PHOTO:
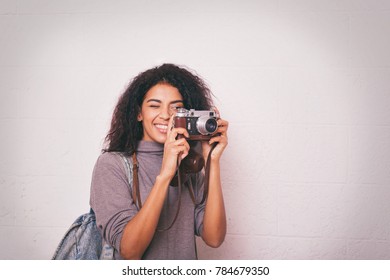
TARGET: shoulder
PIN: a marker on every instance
(110, 170)
(109, 157)
(111, 160)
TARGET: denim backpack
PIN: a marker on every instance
(83, 240)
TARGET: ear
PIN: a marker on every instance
(139, 117)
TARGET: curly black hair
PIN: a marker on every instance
(126, 130)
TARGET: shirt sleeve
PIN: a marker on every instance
(111, 198)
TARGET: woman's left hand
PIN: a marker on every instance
(221, 139)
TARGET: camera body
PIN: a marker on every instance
(201, 125)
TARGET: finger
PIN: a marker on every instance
(222, 123)
(222, 129)
(181, 150)
(182, 142)
(178, 131)
(171, 121)
(170, 127)
(222, 126)
(219, 139)
(217, 111)
(175, 131)
(181, 130)
(178, 146)
(186, 150)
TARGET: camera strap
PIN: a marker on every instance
(178, 200)
(191, 189)
(136, 192)
(206, 180)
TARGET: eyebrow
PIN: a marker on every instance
(159, 101)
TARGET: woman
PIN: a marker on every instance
(142, 123)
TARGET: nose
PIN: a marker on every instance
(165, 113)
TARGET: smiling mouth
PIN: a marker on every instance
(162, 128)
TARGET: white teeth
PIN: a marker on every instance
(163, 128)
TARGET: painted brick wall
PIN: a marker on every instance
(305, 85)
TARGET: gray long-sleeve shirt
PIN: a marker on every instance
(114, 207)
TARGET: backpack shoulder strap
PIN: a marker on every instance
(131, 168)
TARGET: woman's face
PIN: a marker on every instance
(159, 104)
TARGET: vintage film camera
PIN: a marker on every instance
(201, 125)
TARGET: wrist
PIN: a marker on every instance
(213, 157)
(163, 179)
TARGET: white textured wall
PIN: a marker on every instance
(305, 85)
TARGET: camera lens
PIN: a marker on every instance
(206, 125)
(211, 125)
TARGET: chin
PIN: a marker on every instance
(161, 139)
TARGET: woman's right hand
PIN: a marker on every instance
(140, 230)
(174, 148)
